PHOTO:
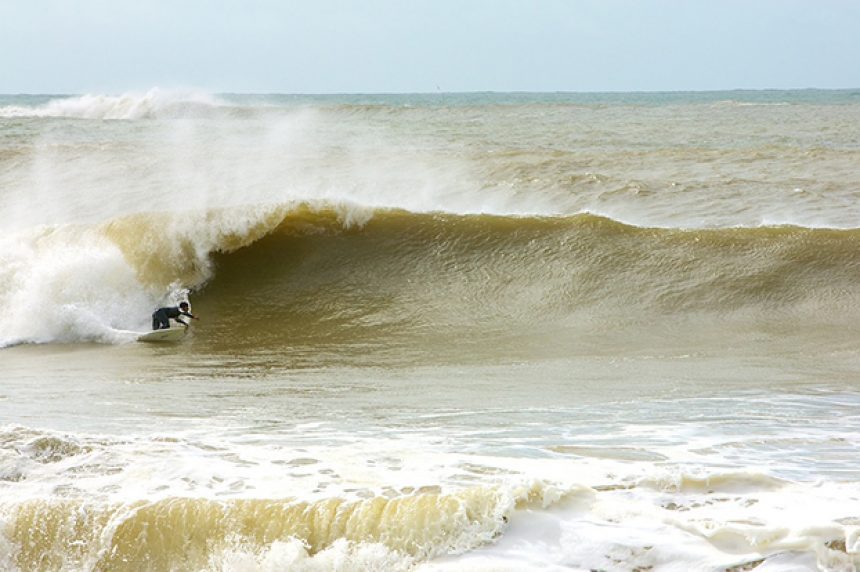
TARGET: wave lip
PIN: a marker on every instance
(154, 103)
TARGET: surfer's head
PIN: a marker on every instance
(183, 306)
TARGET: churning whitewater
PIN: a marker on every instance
(447, 332)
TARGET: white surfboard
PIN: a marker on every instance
(168, 335)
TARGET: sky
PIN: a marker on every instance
(408, 46)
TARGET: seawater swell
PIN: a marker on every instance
(330, 275)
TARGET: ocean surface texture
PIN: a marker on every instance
(438, 332)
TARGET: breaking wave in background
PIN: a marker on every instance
(155, 103)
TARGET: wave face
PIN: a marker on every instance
(303, 275)
(521, 285)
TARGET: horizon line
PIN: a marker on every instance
(439, 92)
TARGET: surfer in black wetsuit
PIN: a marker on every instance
(161, 317)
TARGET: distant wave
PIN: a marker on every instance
(740, 103)
(153, 103)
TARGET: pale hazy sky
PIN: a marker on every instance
(337, 46)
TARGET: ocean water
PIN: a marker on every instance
(438, 332)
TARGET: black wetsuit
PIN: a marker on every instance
(161, 317)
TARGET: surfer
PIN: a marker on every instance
(161, 317)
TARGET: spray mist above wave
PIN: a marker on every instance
(96, 171)
(650, 167)
(151, 104)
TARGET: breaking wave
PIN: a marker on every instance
(195, 533)
(378, 270)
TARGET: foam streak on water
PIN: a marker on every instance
(448, 332)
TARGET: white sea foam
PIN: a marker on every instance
(294, 555)
(66, 285)
(597, 514)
